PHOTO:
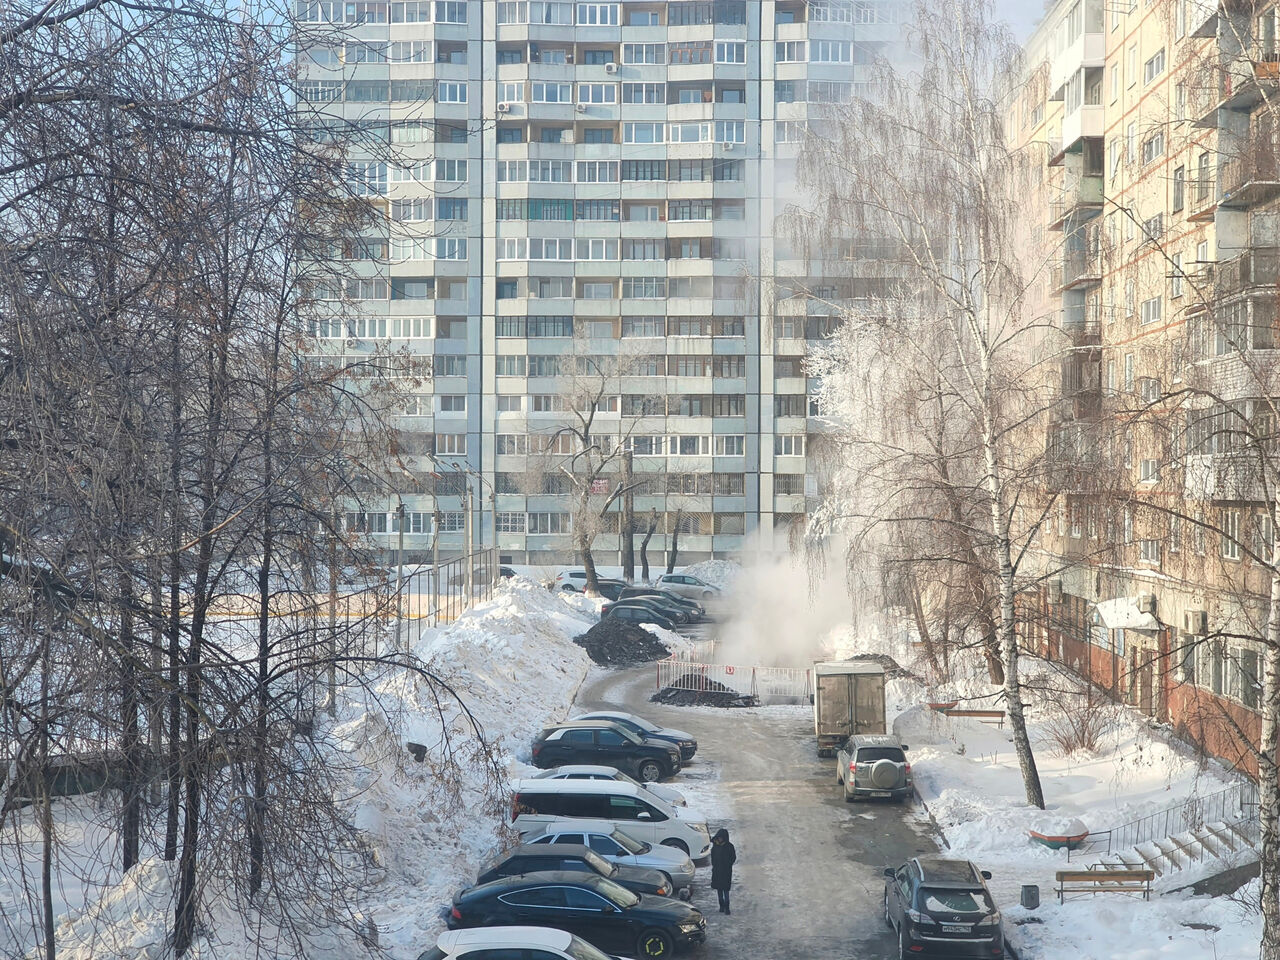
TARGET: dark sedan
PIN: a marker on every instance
(537, 858)
(658, 605)
(598, 910)
(606, 742)
(942, 908)
(635, 613)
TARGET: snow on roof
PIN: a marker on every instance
(1123, 613)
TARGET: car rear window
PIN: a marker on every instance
(872, 754)
(942, 900)
(435, 953)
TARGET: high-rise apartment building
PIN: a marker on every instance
(577, 181)
(1162, 183)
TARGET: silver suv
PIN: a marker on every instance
(874, 766)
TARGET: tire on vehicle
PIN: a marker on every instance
(655, 943)
(707, 594)
(888, 920)
(677, 844)
(850, 796)
(569, 588)
(649, 771)
(902, 943)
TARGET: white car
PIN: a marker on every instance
(587, 771)
(618, 846)
(575, 581)
(687, 585)
(487, 943)
(536, 804)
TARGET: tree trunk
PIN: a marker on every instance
(46, 809)
(644, 545)
(131, 738)
(922, 624)
(673, 547)
(255, 826)
(627, 522)
(1268, 770)
(592, 587)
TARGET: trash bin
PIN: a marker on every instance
(1030, 896)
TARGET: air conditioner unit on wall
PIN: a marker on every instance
(504, 107)
(581, 108)
(727, 146)
(610, 68)
(1195, 622)
(1147, 603)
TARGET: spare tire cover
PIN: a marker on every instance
(884, 774)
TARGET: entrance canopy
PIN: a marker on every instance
(1123, 613)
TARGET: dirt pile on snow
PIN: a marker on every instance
(612, 642)
(695, 690)
(891, 668)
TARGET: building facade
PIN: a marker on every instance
(576, 181)
(1160, 169)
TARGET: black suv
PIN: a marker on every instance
(942, 908)
(596, 909)
(607, 743)
(684, 603)
(535, 858)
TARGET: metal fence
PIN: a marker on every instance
(1236, 803)
(435, 595)
(776, 684)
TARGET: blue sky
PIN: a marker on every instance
(1022, 15)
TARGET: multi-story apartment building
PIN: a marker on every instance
(1161, 161)
(595, 179)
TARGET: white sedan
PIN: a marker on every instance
(586, 771)
(484, 943)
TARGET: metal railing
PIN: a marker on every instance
(777, 684)
(433, 595)
(1238, 802)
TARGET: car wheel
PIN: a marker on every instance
(707, 594)
(677, 845)
(655, 943)
(569, 588)
(666, 880)
(850, 796)
(888, 919)
(649, 771)
(902, 943)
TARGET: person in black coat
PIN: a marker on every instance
(723, 857)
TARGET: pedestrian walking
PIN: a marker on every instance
(723, 857)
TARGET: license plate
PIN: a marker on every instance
(955, 928)
(880, 793)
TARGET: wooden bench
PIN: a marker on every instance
(1104, 881)
(986, 716)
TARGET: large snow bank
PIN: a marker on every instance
(718, 573)
(513, 664)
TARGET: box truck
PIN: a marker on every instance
(848, 698)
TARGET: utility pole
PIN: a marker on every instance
(436, 518)
(466, 510)
(625, 532)
(332, 705)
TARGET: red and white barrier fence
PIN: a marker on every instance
(764, 683)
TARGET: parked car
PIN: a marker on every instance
(634, 613)
(587, 771)
(596, 909)
(618, 846)
(659, 606)
(488, 943)
(693, 606)
(942, 907)
(575, 581)
(506, 573)
(873, 766)
(539, 803)
(605, 742)
(529, 858)
(687, 742)
(687, 586)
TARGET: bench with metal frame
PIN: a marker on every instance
(1104, 881)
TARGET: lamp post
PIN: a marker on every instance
(400, 638)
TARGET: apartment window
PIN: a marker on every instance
(1131, 142)
(1149, 551)
(1149, 471)
(452, 444)
(731, 52)
(451, 11)
(1153, 67)
(366, 522)
(644, 133)
(1153, 148)
(830, 51)
(1115, 82)
(552, 92)
(547, 523)
(1132, 65)
(597, 93)
(643, 18)
(509, 57)
(1151, 310)
(1180, 19)
(597, 14)
(1230, 536)
(510, 92)
(788, 445)
(1176, 279)
(784, 91)
(729, 367)
(727, 170)
(453, 171)
(790, 51)
(1180, 101)
(510, 134)
(598, 171)
(688, 132)
(644, 53)
(698, 51)
(508, 289)
(1179, 188)
(509, 366)
(1128, 373)
(597, 248)
(511, 522)
(453, 402)
(644, 288)
(790, 405)
(367, 178)
(550, 171)
(644, 93)
(731, 131)
(1175, 534)
(788, 484)
(729, 446)
(447, 91)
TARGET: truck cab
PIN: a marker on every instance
(848, 699)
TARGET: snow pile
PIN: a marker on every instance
(678, 646)
(513, 664)
(718, 573)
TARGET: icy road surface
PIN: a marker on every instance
(808, 884)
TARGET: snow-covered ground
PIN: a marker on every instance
(967, 774)
(513, 663)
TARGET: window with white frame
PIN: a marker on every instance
(367, 178)
(452, 402)
(688, 132)
(597, 14)
(597, 171)
(643, 132)
(549, 523)
(830, 51)
(366, 328)
(1149, 551)
(451, 248)
(451, 91)
(1176, 278)
(597, 93)
(1230, 535)
(1153, 67)
(451, 443)
(510, 92)
(451, 11)
(731, 52)
(1151, 310)
(729, 445)
(552, 92)
(511, 522)
(788, 445)
(644, 288)
(731, 131)
(1153, 148)
(363, 522)
(511, 444)
(451, 171)
(1149, 470)
(790, 51)
(644, 53)
(510, 404)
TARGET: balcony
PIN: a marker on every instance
(1202, 199)
(1082, 323)
(1257, 267)
(1081, 267)
(1087, 121)
(1222, 476)
(1081, 202)
(1247, 78)
(1253, 175)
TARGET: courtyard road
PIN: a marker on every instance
(808, 884)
